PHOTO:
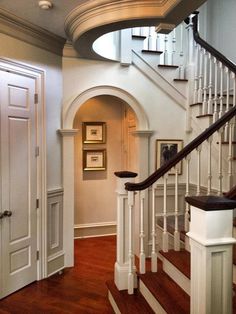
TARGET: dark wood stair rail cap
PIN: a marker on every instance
(211, 203)
(125, 174)
(231, 194)
(182, 154)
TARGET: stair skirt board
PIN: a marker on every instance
(152, 301)
(176, 275)
(113, 303)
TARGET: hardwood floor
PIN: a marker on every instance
(81, 289)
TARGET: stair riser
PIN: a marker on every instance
(176, 275)
(152, 301)
(113, 303)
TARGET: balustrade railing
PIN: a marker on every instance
(215, 88)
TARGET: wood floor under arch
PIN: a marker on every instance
(81, 289)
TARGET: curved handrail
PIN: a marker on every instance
(219, 56)
(182, 154)
(204, 135)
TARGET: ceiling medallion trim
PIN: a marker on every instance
(18, 28)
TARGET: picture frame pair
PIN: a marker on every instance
(94, 133)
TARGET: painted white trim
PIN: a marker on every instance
(96, 236)
(55, 256)
(18, 28)
(113, 303)
(95, 225)
(55, 192)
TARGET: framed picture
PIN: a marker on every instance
(166, 150)
(94, 159)
(94, 132)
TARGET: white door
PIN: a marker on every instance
(18, 169)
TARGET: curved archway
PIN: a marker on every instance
(73, 107)
(68, 133)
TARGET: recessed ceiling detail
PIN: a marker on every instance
(94, 18)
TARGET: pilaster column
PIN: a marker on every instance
(122, 258)
(211, 241)
(68, 198)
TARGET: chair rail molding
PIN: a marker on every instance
(92, 19)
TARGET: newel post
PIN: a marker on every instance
(122, 265)
(211, 241)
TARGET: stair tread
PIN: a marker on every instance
(139, 37)
(180, 80)
(126, 303)
(170, 296)
(180, 259)
(168, 66)
(152, 51)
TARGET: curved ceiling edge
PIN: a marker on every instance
(94, 18)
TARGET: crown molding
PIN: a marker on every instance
(93, 18)
(18, 28)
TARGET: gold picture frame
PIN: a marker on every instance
(94, 132)
(166, 150)
(94, 159)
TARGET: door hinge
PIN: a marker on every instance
(37, 203)
(36, 151)
(36, 98)
(37, 255)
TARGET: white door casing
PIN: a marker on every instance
(21, 184)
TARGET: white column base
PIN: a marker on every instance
(121, 276)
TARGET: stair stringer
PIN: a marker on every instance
(158, 79)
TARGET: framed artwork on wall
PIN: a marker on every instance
(94, 132)
(94, 159)
(165, 151)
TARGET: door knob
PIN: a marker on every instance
(7, 213)
(1, 215)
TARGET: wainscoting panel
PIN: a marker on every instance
(55, 231)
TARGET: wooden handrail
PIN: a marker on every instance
(182, 154)
(204, 135)
(219, 56)
(231, 194)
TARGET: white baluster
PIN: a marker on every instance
(154, 253)
(149, 44)
(173, 47)
(196, 77)
(221, 89)
(234, 89)
(220, 176)
(165, 232)
(215, 113)
(200, 78)
(186, 216)
(136, 31)
(130, 250)
(230, 156)
(166, 50)
(181, 53)
(199, 149)
(226, 129)
(205, 87)
(210, 87)
(176, 233)
(142, 256)
(209, 175)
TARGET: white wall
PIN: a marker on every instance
(52, 65)
(221, 26)
(95, 199)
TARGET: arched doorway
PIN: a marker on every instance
(68, 133)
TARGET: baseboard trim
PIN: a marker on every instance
(95, 225)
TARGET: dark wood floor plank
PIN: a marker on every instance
(81, 289)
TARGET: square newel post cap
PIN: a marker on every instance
(211, 203)
(122, 178)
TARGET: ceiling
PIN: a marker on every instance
(51, 20)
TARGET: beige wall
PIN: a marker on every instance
(95, 198)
